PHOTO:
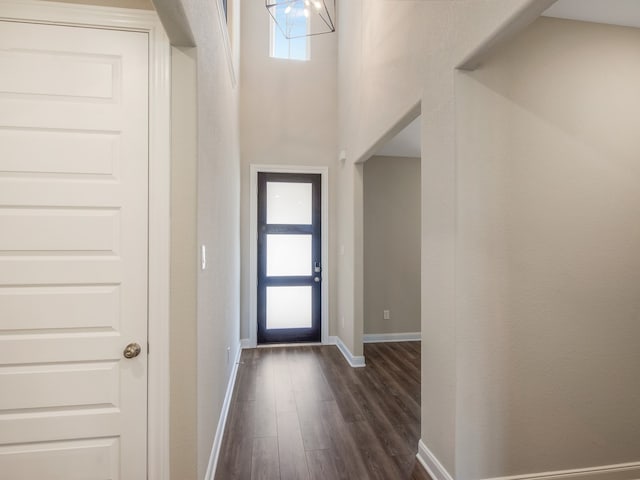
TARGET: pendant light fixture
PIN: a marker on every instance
(292, 15)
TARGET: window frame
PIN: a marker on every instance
(274, 30)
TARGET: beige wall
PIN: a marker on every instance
(207, 343)
(392, 244)
(184, 265)
(393, 55)
(529, 215)
(288, 117)
(218, 222)
(548, 265)
(140, 4)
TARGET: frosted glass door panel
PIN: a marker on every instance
(288, 255)
(288, 307)
(289, 203)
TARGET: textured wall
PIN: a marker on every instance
(184, 265)
(141, 4)
(392, 244)
(529, 226)
(288, 117)
(393, 55)
(217, 213)
(218, 221)
(548, 238)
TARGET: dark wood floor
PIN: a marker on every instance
(303, 413)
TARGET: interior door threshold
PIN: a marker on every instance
(296, 344)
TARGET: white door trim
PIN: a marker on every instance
(159, 183)
(253, 244)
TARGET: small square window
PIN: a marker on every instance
(293, 22)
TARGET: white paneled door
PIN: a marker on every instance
(73, 252)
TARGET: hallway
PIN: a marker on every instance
(303, 413)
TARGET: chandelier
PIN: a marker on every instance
(292, 16)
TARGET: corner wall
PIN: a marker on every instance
(184, 265)
(218, 222)
(392, 56)
(211, 203)
(548, 291)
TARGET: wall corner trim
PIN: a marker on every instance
(354, 361)
(391, 337)
(622, 471)
(429, 461)
(217, 441)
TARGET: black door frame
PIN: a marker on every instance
(313, 334)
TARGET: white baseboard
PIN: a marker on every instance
(391, 337)
(354, 361)
(429, 461)
(622, 471)
(246, 343)
(217, 441)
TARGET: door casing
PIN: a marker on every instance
(159, 182)
(252, 342)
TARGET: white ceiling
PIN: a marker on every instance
(615, 12)
(404, 144)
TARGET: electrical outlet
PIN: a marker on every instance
(386, 314)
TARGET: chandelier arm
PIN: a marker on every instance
(270, 4)
(326, 9)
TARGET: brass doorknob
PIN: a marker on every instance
(132, 350)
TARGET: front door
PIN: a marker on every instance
(73, 252)
(289, 257)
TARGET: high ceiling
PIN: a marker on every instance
(404, 144)
(615, 12)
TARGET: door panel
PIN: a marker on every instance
(80, 153)
(76, 231)
(289, 307)
(73, 252)
(289, 257)
(94, 308)
(77, 384)
(81, 459)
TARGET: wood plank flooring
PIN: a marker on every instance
(302, 413)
